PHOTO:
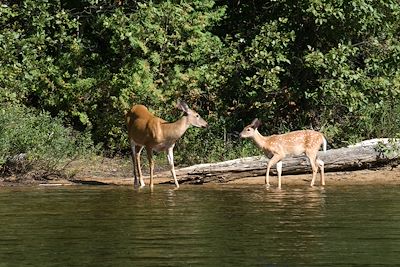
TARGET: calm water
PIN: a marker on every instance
(200, 226)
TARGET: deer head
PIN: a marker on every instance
(250, 129)
(192, 116)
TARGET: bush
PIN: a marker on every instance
(325, 65)
(370, 121)
(32, 140)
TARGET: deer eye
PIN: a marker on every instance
(248, 129)
(197, 116)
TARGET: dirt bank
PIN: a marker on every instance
(387, 175)
(378, 176)
(119, 172)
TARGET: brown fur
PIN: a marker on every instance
(154, 133)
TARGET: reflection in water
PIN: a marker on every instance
(200, 226)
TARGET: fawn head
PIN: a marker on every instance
(250, 129)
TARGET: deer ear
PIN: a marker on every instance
(183, 106)
(255, 123)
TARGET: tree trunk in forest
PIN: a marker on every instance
(342, 159)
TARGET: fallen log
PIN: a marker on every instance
(343, 159)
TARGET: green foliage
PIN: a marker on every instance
(390, 150)
(327, 65)
(356, 77)
(201, 146)
(31, 140)
(42, 57)
(370, 121)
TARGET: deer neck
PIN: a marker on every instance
(174, 130)
(259, 140)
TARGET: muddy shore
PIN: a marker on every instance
(386, 175)
(118, 172)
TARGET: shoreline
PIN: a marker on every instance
(116, 172)
(359, 177)
(386, 175)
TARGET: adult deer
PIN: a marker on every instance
(153, 133)
(277, 147)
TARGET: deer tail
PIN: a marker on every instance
(324, 144)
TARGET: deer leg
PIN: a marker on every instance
(138, 150)
(314, 167)
(170, 157)
(135, 181)
(279, 169)
(267, 176)
(275, 159)
(151, 164)
(321, 164)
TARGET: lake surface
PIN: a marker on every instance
(200, 226)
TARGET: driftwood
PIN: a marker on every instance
(343, 159)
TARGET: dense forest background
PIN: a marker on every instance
(70, 69)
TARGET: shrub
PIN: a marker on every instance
(32, 140)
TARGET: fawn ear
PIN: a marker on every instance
(182, 106)
(255, 123)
